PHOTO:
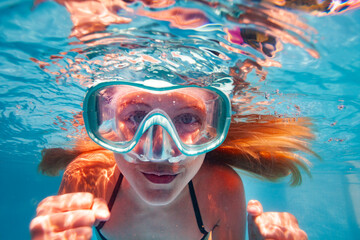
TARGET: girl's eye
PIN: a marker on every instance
(186, 118)
(187, 122)
(136, 117)
(128, 122)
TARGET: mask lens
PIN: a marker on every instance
(120, 110)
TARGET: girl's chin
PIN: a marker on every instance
(162, 195)
(158, 201)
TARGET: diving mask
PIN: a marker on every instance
(157, 117)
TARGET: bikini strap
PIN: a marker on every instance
(112, 199)
(193, 200)
(196, 209)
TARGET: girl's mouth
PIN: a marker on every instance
(160, 179)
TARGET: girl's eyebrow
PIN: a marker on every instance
(196, 107)
(134, 101)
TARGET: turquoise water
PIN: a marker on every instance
(38, 104)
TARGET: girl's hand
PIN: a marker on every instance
(68, 216)
(272, 225)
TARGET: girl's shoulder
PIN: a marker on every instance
(220, 178)
(220, 193)
(93, 172)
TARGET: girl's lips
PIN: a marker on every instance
(160, 179)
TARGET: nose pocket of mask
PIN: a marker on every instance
(159, 141)
(158, 145)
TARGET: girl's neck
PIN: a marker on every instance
(128, 194)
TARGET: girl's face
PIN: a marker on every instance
(155, 167)
(159, 183)
(156, 124)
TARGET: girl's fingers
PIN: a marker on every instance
(301, 235)
(101, 209)
(282, 233)
(59, 222)
(273, 232)
(272, 225)
(81, 233)
(65, 202)
(254, 208)
(68, 216)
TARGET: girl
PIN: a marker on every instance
(162, 167)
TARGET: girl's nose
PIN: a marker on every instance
(158, 145)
